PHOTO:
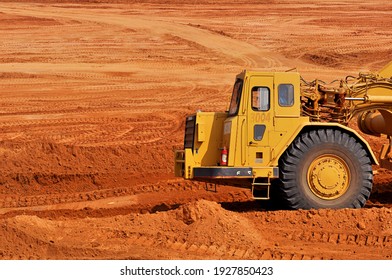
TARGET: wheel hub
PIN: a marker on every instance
(328, 177)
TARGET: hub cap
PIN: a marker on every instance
(328, 177)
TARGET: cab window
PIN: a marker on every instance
(286, 95)
(260, 99)
(235, 98)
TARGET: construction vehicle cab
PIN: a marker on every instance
(291, 136)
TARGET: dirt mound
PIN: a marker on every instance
(202, 229)
(208, 223)
(30, 235)
(194, 225)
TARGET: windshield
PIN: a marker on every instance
(235, 98)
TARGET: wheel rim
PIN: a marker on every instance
(328, 177)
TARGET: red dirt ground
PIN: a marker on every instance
(93, 97)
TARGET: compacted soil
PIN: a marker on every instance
(93, 98)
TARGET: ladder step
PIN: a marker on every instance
(265, 187)
(261, 184)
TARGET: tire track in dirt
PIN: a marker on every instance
(216, 42)
(157, 197)
(186, 249)
(83, 128)
(342, 238)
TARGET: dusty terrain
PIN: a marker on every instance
(93, 96)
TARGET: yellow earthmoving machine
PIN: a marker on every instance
(289, 140)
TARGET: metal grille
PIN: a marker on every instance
(189, 131)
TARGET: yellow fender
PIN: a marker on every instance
(353, 133)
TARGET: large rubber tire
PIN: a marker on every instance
(325, 168)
